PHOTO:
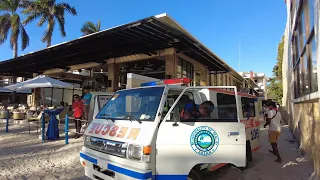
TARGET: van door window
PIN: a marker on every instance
(171, 98)
(248, 108)
(227, 107)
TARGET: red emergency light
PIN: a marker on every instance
(177, 81)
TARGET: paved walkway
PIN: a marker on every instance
(263, 167)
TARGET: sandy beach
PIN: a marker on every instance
(25, 156)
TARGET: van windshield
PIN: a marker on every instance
(133, 104)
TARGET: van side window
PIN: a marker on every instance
(227, 107)
(187, 97)
(248, 108)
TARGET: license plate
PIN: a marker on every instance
(106, 172)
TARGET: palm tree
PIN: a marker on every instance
(48, 11)
(89, 27)
(10, 21)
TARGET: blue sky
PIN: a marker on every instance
(219, 25)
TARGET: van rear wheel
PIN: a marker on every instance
(193, 175)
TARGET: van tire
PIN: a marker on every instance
(248, 155)
(248, 152)
(194, 175)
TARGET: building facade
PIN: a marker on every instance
(301, 75)
(260, 79)
(157, 47)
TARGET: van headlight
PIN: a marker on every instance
(139, 152)
(86, 140)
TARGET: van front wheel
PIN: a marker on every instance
(193, 175)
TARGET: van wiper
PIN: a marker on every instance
(130, 117)
(106, 116)
(111, 119)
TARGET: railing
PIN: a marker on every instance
(66, 127)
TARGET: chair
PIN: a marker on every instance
(60, 117)
(36, 119)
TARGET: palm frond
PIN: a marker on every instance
(61, 22)
(25, 4)
(31, 18)
(48, 33)
(5, 5)
(5, 24)
(15, 4)
(68, 8)
(15, 29)
(43, 19)
(24, 37)
(89, 28)
(99, 25)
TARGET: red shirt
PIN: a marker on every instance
(78, 109)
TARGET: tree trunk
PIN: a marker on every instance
(14, 78)
(15, 49)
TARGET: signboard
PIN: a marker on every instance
(102, 100)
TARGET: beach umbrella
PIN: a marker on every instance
(40, 81)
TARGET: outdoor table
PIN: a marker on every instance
(3, 114)
(53, 129)
(18, 115)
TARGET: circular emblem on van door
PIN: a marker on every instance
(204, 140)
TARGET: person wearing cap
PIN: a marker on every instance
(189, 111)
(78, 107)
(205, 109)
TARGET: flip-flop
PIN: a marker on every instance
(278, 161)
(272, 152)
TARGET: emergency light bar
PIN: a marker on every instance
(182, 81)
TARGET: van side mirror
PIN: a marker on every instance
(176, 116)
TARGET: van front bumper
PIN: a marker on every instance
(99, 168)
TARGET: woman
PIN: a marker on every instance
(78, 107)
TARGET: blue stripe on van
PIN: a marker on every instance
(88, 158)
(130, 173)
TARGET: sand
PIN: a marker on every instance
(24, 156)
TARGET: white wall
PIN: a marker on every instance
(135, 80)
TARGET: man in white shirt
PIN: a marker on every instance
(265, 112)
(274, 122)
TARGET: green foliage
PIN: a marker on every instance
(11, 21)
(48, 11)
(89, 27)
(277, 69)
(275, 90)
(275, 86)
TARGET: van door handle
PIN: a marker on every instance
(233, 134)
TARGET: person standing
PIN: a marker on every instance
(265, 112)
(78, 108)
(274, 122)
(86, 101)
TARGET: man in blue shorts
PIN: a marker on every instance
(86, 101)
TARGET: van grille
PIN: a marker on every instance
(107, 146)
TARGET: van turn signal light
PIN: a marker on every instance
(147, 150)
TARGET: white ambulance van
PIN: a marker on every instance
(140, 133)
